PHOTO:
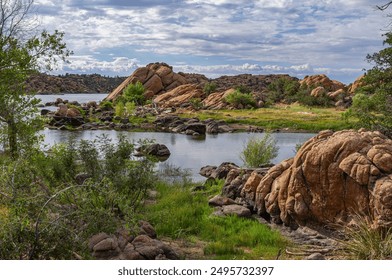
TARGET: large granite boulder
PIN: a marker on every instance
(180, 95)
(156, 78)
(322, 81)
(333, 177)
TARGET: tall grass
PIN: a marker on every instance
(363, 242)
(179, 213)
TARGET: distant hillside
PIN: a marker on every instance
(72, 83)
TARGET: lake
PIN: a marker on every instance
(188, 152)
(80, 97)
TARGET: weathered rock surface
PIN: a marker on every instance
(178, 96)
(219, 200)
(215, 101)
(156, 78)
(125, 246)
(357, 84)
(190, 126)
(236, 210)
(336, 91)
(157, 150)
(333, 177)
(322, 81)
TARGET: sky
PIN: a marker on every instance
(218, 37)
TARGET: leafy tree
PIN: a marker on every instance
(372, 105)
(282, 88)
(22, 54)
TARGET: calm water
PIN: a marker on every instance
(79, 97)
(188, 152)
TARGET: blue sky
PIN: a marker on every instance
(218, 37)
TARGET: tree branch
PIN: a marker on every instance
(385, 6)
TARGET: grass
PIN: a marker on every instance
(294, 117)
(363, 242)
(181, 214)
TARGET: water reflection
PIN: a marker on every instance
(186, 151)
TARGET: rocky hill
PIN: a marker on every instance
(167, 88)
(72, 83)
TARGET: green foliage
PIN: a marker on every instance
(47, 213)
(304, 97)
(196, 103)
(282, 88)
(243, 89)
(106, 105)
(120, 109)
(179, 213)
(372, 104)
(21, 56)
(258, 151)
(238, 99)
(124, 110)
(363, 242)
(209, 88)
(134, 93)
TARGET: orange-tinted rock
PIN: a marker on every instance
(323, 81)
(381, 203)
(331, 178)
(216, 100)
(156, 78)
(357, 84)
(318, 92)
(178, 96)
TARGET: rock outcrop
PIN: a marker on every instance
(123, 245)
(156, 150)
(357, 84)
(156, 78)
(322, 86)
(333, 177)
(215, 101)
(322, 81)
(179, 96)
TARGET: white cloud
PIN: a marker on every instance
(281, 35)
(88, 63)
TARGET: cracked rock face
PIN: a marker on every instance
(333, 177)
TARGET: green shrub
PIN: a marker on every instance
(134, 93)
(46, 213)
(243, 89)
(209, 88)
(259, 151)
(238, 99)
(305, 98)
(120, 109)
(281, 89)
(196, 103)
(106, 105)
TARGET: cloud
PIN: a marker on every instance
(281, 33)
(90, 64)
